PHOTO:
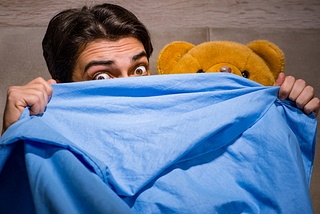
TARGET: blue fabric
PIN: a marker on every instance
(192, 143)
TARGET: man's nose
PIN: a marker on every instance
(123, 74)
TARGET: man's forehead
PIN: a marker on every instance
(126, 47)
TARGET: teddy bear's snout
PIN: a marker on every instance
(225, 69)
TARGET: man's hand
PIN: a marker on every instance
(299, 92)
(35, 94)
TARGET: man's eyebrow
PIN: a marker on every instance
(140, 55)
(110, 62)
(93, 63)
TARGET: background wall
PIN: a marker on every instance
(179, 13)
(294, 25)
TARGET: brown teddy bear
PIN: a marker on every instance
(260, 61)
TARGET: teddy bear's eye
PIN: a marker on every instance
(200, 71)
(245, 74)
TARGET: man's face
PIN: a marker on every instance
(103, 59)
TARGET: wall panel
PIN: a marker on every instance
(179, 13)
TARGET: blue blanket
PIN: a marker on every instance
(192, 143)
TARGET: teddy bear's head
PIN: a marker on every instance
(260, 61)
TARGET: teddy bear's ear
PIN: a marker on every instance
(271, 54)
(170, 55)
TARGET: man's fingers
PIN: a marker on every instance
(312, 106)
(286, 87)
(280, 79)
(304, 97)
(35, 94)
(37, 101)
(40, 81)
(52, 81)
(20, 98)
(297, 89)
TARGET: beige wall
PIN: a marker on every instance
(179, 13)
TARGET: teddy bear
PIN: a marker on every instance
(261, 61)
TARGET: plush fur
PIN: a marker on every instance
(260, 61)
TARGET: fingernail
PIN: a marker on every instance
(282, 98)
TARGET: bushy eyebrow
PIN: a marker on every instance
(140, 55)
(93, 63)
(110, 62)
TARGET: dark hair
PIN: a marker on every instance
(72, 29)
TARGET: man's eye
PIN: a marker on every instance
(141, 70)
(102, 76)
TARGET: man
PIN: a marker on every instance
(102, 42)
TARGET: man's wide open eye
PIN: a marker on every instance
(141, 70)
(102, 76)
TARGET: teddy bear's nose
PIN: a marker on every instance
(225, 69)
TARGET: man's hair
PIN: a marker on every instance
(71, 30)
